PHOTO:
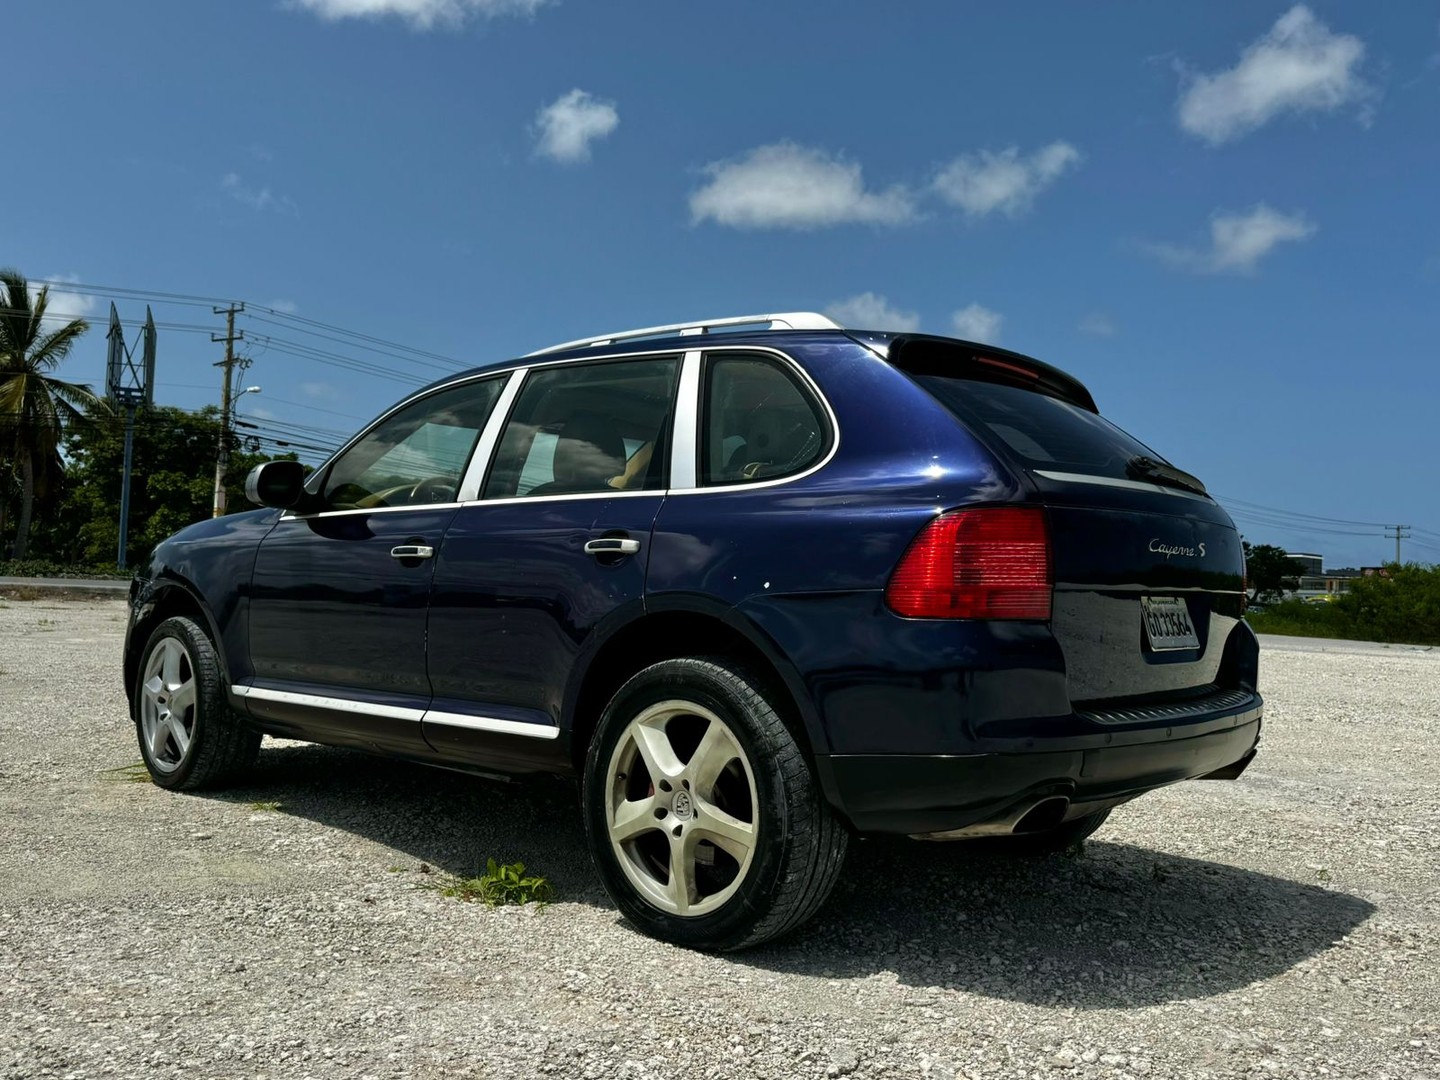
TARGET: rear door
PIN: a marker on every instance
(557, 545)
(1148, 576)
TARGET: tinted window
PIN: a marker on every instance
(1041, 431)
(416, 455)
(760, 422)
(579, 428)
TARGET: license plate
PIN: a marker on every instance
(1167, 623)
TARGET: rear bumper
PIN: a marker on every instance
(921, 794)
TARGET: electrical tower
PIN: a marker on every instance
(222, 459)
(129, 384)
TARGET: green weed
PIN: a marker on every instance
(499, 885)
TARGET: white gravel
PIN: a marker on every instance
(1284, 925)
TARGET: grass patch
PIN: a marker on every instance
(1265, 622)
(267, 807)
(134, 773)
(498, 886)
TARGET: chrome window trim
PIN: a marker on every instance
(523, 369)
(469, 489)
(536, 500)
(686, 427)
(395, 712)
(815, 392)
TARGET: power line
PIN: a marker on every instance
(1296, 514)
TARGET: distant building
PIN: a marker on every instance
(1315, 580)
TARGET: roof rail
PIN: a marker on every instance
(785, 320)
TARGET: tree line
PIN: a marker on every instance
(62, 451)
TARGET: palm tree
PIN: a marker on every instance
(35, 407)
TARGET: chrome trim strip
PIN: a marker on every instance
(1115, 481)
(490, 438)
(685, 433)
(288, 516)
(539, 500)
(393, 712)
(318, 701)
(486, 723)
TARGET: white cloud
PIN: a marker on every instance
(976, 323)
(1298, 66)
(870, 311)
(256, 198)
(1238, 240)
(320, 390)
(1007, 182)
(1097, 324)
(61, 305)
(566, 127)
(420, 14)
(785, 186)
(285, 307)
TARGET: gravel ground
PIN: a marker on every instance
(1282, 925)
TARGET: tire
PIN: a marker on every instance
(1061, 838)
(693, 766)
(189, 736)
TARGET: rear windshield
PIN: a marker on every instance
(1040, 431)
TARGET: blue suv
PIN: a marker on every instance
(761, 583)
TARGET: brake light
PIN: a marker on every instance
(992, 562)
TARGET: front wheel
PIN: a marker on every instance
(704, 819)
(189, 736)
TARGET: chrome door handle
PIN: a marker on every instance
(611, 545)
(412, 551)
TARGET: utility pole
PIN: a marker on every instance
(1398, 532)
(222, 459)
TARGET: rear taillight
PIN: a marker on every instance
(992, 562)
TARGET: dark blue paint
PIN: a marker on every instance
(507, 620)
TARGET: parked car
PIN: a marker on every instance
(761, 583)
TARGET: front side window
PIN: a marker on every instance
(581, 428)
(760, 422)
(416, 455)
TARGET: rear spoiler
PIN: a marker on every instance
(927, 354)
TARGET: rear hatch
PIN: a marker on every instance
(1148, 569)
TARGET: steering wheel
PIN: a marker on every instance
(433, 489)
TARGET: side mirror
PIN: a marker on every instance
(276, 483)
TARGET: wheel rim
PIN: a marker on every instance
(681, 808)
(167, 705)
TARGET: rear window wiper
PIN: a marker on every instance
(1147, 468)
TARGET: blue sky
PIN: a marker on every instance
(1222, 217)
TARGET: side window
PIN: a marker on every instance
(759, 423)
(416, 455)
(580, 428)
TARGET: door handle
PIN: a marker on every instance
(412, 551)
(611, 545)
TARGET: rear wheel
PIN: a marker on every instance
(189, 736)
(704, 818)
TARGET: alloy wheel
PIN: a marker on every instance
(681, 808)
(167, 704)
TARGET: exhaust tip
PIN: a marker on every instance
(1044, 815)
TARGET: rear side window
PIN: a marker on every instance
(587, 428)
(1043, 432)
(760, 423)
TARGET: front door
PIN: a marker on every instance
(339, 596)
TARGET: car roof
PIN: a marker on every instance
(812, 330)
